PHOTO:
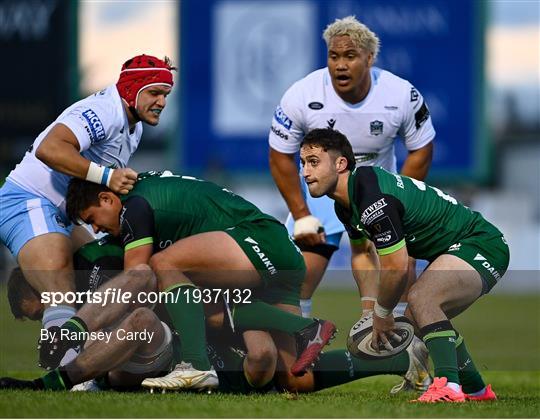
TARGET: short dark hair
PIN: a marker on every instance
(18, 289)
(329, 139)
(81, 195)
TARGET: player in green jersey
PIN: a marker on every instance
(123, 363)
(195, 233)
(403, 216)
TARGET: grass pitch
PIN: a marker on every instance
(502, 333)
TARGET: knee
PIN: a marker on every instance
(142, 319)
(263, 357)
(142, 279)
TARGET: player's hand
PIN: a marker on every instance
(383, 331)
(122, 180)
(308, 230)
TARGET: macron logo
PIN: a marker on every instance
(479, 257)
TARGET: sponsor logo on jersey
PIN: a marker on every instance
(267, 263)
(479, 257)
(399, 182)
(59, 221)
(391, 107)
(95, 278)
(376, 127)
(331, 122)
(97, 132)
(383, 239)
(421, 115)
(364, 157)
(414, 94)
(455, 247)
(373, 209)
(278, 133)
(282, 118)
(315, 105)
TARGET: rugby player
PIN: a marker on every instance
(371, 107)
(403, 216)
(193, 232)
(93, 139)
(124, 364)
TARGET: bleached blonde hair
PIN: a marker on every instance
(360, 34)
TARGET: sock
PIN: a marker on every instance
(338, 367)
(57, 315)
(469, 376)
(263, 316)
(76, 325)
(56, 380)
(305, 307)
(440, 339)
(187, 317)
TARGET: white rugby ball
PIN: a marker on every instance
(359, 339)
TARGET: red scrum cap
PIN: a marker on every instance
(140, 72)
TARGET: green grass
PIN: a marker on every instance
(502, 332)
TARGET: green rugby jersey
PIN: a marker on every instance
(163, 208)
(97, 262)
(394, 210)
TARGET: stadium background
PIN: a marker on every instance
(476, 62)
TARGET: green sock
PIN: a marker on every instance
(56, 380)
(442, 350)
(78, 326)
(469, 376)
(187, 317)
(338, 367)
(263, 316)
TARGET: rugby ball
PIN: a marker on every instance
(359, 339)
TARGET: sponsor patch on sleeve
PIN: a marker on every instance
(282, 118)
(94, 126)
(383, 232)
(421, 115)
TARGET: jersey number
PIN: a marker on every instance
(422, 187)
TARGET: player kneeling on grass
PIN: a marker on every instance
(195, 233)
(403, 216)
(124, 364)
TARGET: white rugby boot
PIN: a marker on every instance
(417, 378)
(184, 377)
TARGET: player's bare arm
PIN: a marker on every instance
(418, 162)
(393, 279)
(365, 267)
(60, 151)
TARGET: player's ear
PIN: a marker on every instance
(105, 197)
(370, 59)
(341, 163)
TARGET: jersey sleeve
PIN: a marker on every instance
(417, 128)
(286, 131)
(355, 236)
(380, 214)
(91, 123)
(136, 223)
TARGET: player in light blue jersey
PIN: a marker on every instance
(371, 107)
(92, 139)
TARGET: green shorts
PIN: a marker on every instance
(278, 260)
(487, 251)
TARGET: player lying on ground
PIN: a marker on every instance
(97, 261)
(403, 216)
(150, 347)
(89, 138)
